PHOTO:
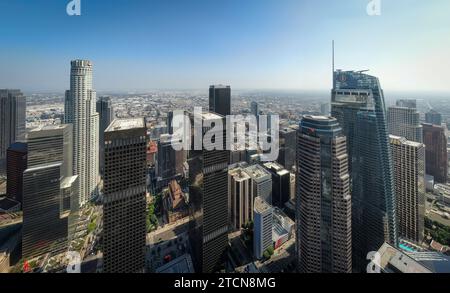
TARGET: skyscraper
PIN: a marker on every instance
(241, 200)
(16, 164)
(358, 105)
(281, 179)
(433, 117)
(12, 122)
(46, 210)
(80, 111)
(435, 152)
(325, 109)
(166, 161)
(220, 99)
(405, 122)
(409, 174)
(287, 154)
(324, 232)
(208, 194)
(124, 203)
(255, 109)
(262, 228)
(106, 115)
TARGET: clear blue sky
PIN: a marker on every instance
(264, 44)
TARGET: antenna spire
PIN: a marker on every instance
(332, 58)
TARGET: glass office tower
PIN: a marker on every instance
(358, 104)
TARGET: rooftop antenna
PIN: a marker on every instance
(332, 58)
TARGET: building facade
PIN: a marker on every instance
(80, 111)
(436, 160)
(324, 231)
(124, 202)
(220, 99)
(261, 182)
(262, 228)
(48, 212)
(106, 115)
(208, 196)
(12, 122)
(405, 122)
(409, 173)
(240, 195)
(16, 164)
(359, 106)
(281, 179)
(433, 117)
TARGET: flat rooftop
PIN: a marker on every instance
(261, 206)
(48, 127)
(239, 174)
(257, 172)
(124, 124)
(402, 140)
(68, 181)
(211, 116)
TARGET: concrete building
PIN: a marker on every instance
(261, 182)
(12, 122)
(124, 203)
(262, 229)
(240, 196)
(16, 164)
(324, 230)
(436, 159)
(409, 173)
(282, 228)
(80, 111)
(405, 122)
(208, 196)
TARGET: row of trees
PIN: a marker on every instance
(153, 212)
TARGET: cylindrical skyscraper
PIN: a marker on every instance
(80, 110)
(324, 237)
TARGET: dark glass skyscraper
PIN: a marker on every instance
(208, 195)
(220, 99)
(359, 106)
(12, 122)
(105, 110)
(16, 164)
(46, 210)
(324, 232)
(436, 152)
(124, 203)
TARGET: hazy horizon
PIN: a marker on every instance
(254, 44)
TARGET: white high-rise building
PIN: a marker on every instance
(80, 110)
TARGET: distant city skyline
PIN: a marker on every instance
(255, 44)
